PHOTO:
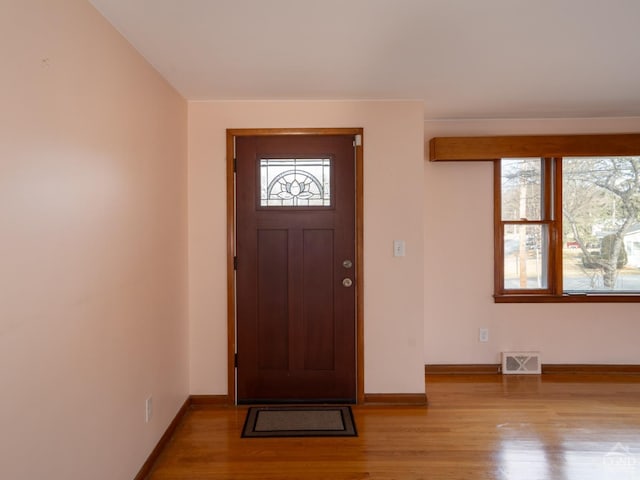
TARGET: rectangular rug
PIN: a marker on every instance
(305, 421)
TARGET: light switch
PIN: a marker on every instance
(399, 248)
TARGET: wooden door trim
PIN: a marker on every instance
(232, 133)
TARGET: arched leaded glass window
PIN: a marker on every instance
(295, 182)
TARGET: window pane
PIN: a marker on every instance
(295, 182)
(601, 224)
(521, 188)
(525, 256)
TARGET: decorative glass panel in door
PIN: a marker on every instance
(295, 182)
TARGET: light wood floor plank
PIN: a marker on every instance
(571, 427)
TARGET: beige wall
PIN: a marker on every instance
(393, 185)
(93, 313)
(458, 222)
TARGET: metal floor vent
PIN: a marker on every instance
(521, 363)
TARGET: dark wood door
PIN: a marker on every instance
(295, 234)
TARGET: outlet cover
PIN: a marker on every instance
(483, 335)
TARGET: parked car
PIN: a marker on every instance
(602, 252)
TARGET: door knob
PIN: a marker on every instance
(347, 282)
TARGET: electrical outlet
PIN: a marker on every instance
(483, 335)
(148, 409)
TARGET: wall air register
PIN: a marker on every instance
(520, 363)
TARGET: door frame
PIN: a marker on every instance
(232, 133)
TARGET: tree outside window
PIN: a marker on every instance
(601, 207)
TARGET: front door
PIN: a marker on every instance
(295, 272)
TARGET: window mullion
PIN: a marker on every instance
(556, 242)
(549, 214)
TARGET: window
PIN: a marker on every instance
(295, 182)
(524, 225)
(566, 214)
(568, 226)
(601, 220)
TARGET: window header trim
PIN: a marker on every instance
(443, 149)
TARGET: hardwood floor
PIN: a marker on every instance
(568, 427)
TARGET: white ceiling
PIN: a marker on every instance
(463, 58)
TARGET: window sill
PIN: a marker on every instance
(574, 298)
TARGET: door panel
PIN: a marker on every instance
(318, 301)
(295, 227)
(273, 280)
